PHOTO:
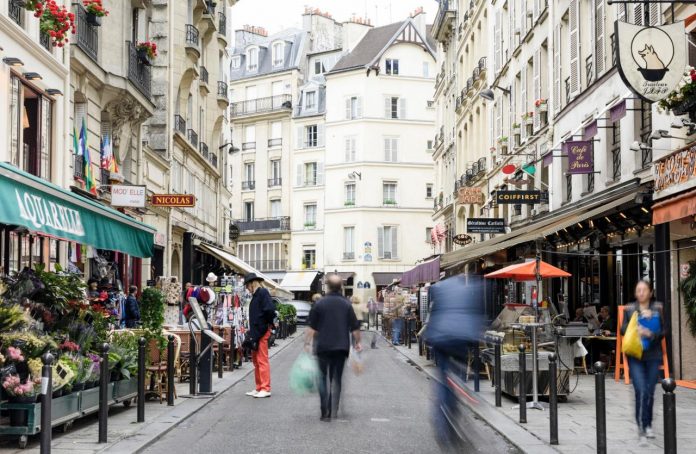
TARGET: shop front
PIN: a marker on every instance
(303, 284)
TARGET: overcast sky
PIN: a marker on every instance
(275, 15)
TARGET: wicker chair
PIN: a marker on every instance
(157, 368)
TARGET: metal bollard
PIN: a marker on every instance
(141, 380)
(669, 404)
(170, 371)
(219, 358)
(522, 398)
(46, 397)
(104, 393)
(497, 376)
(553, 399)
(193, 370)
(477, 367)
(600, 404)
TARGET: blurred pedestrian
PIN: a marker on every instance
(645, 370)
(456, 322)
(358, 308)
(131, 313)
(261, 315)
(331, 322)
(371, 312)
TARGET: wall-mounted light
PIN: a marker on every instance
(32, 76)
(13, 61)
(355, 175)
(54, 92)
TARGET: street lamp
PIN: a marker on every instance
(355, 174)
(489, 95)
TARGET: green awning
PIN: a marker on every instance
(43, 207)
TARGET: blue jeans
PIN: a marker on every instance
(644, 375)
(397, 326)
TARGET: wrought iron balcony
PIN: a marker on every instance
(204, 75)
(191, 35)
(87, 34)
(274, 182)
(276, 224)
(138, 73)
(203, 147)
(275, 142)
(45, 41)
(445, 20)
(15, 11)
(180, 124)
(262, 105)
(192, 137)
(222, 23)
(213, 160)
(79, 168)
(248, 185)
(222, 89)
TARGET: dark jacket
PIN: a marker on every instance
(261, 313)
(333, 318)
(654, 351)
(131, 313)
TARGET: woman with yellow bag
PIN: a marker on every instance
(643, 328)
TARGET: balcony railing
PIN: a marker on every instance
(446, 15)
(203, 147)
(45, 41)
(138, 73)
(262, 105)
(87, 34)
(79, 169)
(204, 75)
(222, 23)
(15, 10)
(213, 160)
(210, 7)
(222, 89)
(192, 137)
(349, 256)
(191, 35)
(280, 224)
(105, 176)
(248, 146)
(274, 182)
(180, 124)
(275, 142)
(248, 185)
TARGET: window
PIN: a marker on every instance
(319, 67)
(310, 215)
(387, 242)
(616, 150)
(176, 176)
(429, 235)
(350, 149)
(646, 126)
(249, 173)
(278, 54)
(428, 191)
(426, 69)
(394, 107)
(249, 137)
(348, 243)
(236, 61)
(252, 59)
(389, 193)
(276, 208)
(353, 108)
(391, 149)
(248, 211)
(309, 257)
(350, 194)
(275, 172)
(311, 136)
(392, 67)
(311, 100)
(276, 130)
(31, 123)
(310, 174)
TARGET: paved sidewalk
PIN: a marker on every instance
(127, 436)
(577, 417)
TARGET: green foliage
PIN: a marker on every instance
(31, 344)
(688, 287)
(59, 289)
(11, 318)
(152, 307)
(286, 312)
(123, 354)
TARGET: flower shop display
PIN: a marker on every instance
(95, 11)
(147, 51)
(682, 100)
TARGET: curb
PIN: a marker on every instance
(515, 434)
(115, 448)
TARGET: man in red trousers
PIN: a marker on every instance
(261, 315)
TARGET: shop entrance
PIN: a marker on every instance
(686, 365)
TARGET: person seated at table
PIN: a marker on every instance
(607, 325)
(580, 316)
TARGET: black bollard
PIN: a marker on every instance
(219, 358)
(522, 398)
(600, 404)
(170, 371)
(553, 400)
(669, 404)
(104, 393)
(141, 380)
(193, 370)
(497, 376)
(46, 397)
(477, 367)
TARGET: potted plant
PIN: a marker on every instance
(95, 11)
(541, 105)
(502, 140)
(682, 100)
(390, 202)
(147, 51)
(18, 392)
(516, 127)
(528, 118)
(309, 225)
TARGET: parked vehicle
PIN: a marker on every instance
(302, 308)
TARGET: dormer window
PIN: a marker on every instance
(252, 59)
(311, 100)
(236, 61)
(278, 54)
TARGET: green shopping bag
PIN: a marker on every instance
(304, 374)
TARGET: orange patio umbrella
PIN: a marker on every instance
(527, 272)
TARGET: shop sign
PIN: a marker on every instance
(485, 225)
(41, 213)
(127, 196)
(160, 239)
(651, 60)
(675, 169)
(367, 257)
(234, 232)
(470, 195)
(521, 197)
(462, 239)
(173, 200)
(580, 158)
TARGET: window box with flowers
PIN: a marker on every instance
(389, 202)
(682, 101)
(528, 118)
(147, 51)
(541, 105)
(516, 128)
(54, 20)
(349, 203)
(502, 140)
(95, 11)
(310, 225)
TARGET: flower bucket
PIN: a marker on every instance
(94, 20)
(543, 107)
(143, 57)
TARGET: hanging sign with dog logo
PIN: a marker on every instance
(651, 60)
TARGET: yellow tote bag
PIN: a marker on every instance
(631, 344)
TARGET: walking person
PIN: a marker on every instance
(331, 321)
(261, 315)
(131, 312)
(645, 370)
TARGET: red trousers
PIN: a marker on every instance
(262, 367)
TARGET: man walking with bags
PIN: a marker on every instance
(261, 314)
(330, 322)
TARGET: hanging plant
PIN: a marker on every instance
(688, 287)
(95, 7)
(54, 20)
(148, 48)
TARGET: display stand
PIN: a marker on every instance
(200, 366)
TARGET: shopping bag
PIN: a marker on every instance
(304, 374)
(631, 343)
(355, 361)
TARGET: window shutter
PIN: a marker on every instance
(600, 20)
(320, 135)
(347, 108)
(536, 62)
(402, 108)
(621, 11)
(299, 174)
(638, 13)
(380, 242)
(300, 137)
(522, 14)
(574, 22)
(537, 9)
(498, 119)
(512, 24)
(557, 69)
(395, 150)
(320, 173)
(497, 38)
(523, 98)
(394, 242)
(359, 109)
(387, 107)
(655, 14)
(387, 149)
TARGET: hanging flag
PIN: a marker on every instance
(108, 161)
(76, 148)
(90, 182)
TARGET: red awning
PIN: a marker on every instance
(422, 274)
(675, 208)
(527, 272)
